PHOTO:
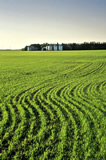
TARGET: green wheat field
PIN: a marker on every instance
(53, 105)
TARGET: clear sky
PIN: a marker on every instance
(23, 22)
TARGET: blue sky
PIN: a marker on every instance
(23, 22)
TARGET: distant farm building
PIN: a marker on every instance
(55, 47)
(32, 48)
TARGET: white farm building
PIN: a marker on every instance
(53, 47)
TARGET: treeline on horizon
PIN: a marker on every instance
(74, 46)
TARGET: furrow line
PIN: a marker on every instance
(78, 116)
(97, 68)
(74, 124)
(87, 122)
(94, 122)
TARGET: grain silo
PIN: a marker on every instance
(50, 48)
(55, 47)
(60, 47)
